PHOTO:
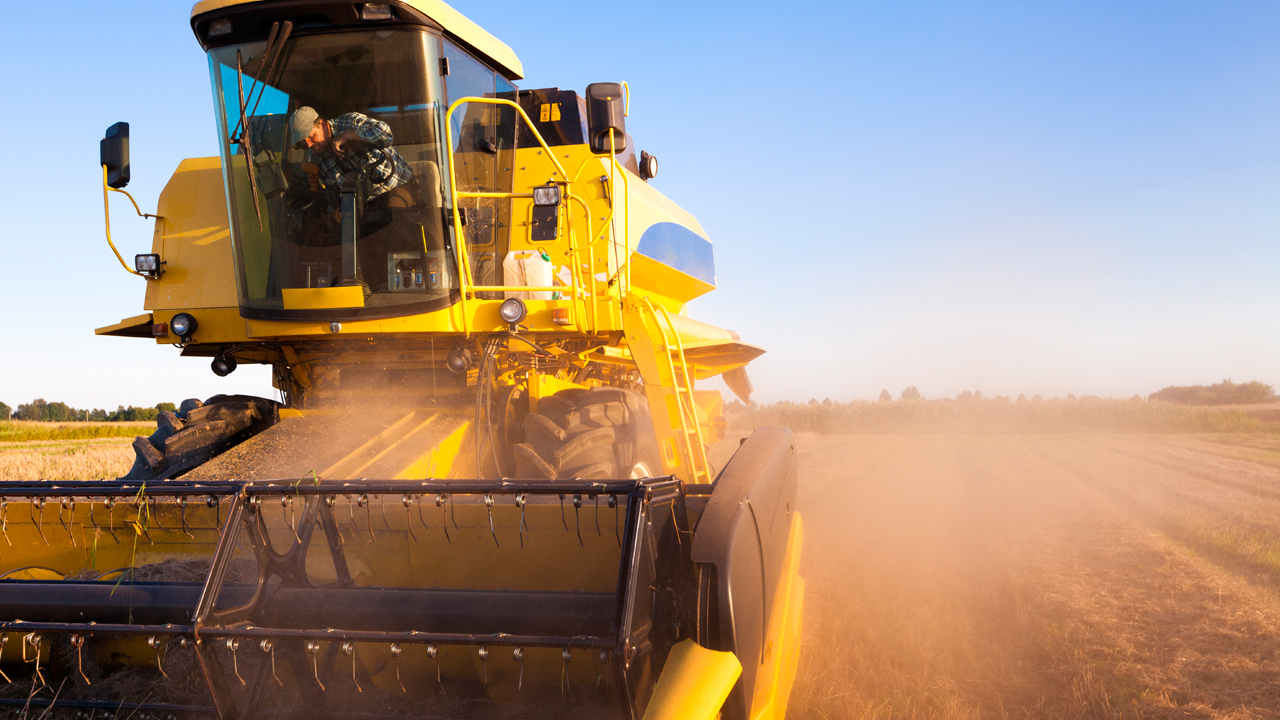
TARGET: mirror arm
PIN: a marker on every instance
(106, 209)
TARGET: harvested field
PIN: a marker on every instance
(1040, 576)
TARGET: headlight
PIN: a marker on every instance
(512, 311)
(183, 325)
(148, 265)
(546, 195)
(648, 166)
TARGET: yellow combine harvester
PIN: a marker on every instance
(485, 491)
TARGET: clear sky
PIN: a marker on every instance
(1051, 197)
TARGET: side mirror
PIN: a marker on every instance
(606, 115)
(114, 153)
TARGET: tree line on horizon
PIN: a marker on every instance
(44, 411)
(1223, 393)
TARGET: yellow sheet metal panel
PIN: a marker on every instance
(193, 239)
(214, 325)
(454, 23)
(136, 326)
(347, 296)
(694, 683)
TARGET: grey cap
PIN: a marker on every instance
(304, 118)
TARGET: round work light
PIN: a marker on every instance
(183, 325)
(512, 311)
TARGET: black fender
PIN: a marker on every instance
(739, 546)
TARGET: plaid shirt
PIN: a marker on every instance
(384, 167)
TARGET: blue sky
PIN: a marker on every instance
(1047, 198)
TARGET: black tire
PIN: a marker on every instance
(591, 434)
(198, 432)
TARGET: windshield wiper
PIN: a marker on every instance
(274, 49)
(246, 142)
(242, 137)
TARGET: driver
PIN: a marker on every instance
(356, 143)
(353, 142)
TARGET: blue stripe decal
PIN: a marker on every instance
(679, 247)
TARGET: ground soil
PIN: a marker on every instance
(1040, 576)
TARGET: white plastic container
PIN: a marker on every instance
(528, 268)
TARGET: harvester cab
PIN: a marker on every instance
(483, 488)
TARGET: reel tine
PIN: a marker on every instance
(182, 510)
(522, 528)
(518, 656)
(155, 644)
(417, 500)
(565, 655)
(77, 640)
(577, 519)
(38, 503)
(34, 639)
(270, 647)
(313, 648)
(150, 504)
(407, 500)
(286, 508)
(363, 501)
(110, 504)
(441, 499)
(65, 504)
(433, 652)
(488, 504)
(214, 503)
(349, 648)
(233, 645)
(331, 502)
(395, 653)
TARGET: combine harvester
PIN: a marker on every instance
(485, 491)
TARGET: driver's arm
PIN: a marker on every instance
(370, 132)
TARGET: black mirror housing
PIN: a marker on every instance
(113, 152)
(606, 115)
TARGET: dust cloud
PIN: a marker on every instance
(1040, 576)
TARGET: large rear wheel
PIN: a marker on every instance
(198, 432)
(591, 433)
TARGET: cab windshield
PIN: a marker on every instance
(332, 160)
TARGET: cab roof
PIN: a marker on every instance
(453, 22)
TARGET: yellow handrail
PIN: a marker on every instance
(621, 275)
(464, 276)
(591, 262)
